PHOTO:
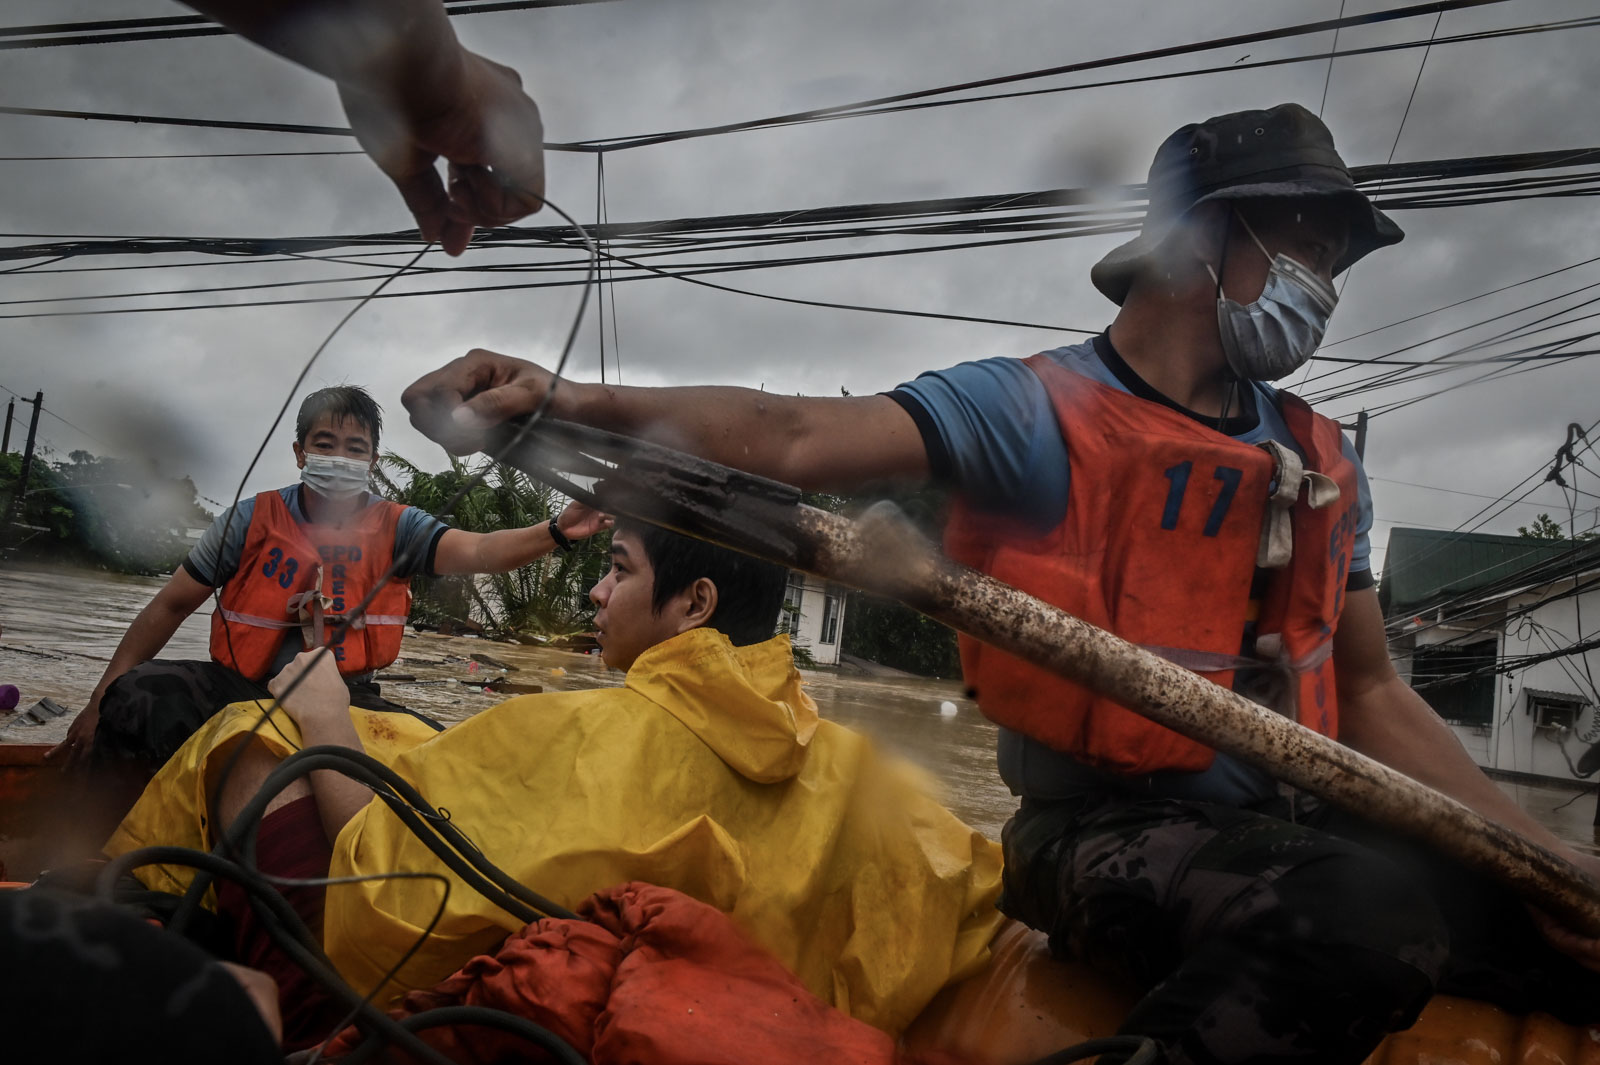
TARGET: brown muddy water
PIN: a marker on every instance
(59, 626)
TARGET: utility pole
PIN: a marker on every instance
(27, 467)
(1361, 436)
(5, 444)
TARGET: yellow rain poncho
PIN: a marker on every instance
(709, 773)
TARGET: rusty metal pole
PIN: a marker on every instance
(881, 552)
(876, 554)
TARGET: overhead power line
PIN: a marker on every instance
(174, 27)
(928, 97)
(1426, 184)
(877, 103)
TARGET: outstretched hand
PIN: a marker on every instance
(310, 688)
(74, 750)
(581, 521)
(487, 129)
(460, 403)
(1585, 950)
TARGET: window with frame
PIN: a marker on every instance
(793, 591)
(830, 619)
(1554, 711)
(1457, 681)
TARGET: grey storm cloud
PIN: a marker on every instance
(205, 385)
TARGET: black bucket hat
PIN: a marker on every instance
(1282, 152)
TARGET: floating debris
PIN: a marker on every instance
(45, 710)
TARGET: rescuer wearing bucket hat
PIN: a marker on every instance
(1150, 480)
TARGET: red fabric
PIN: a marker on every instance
(290, 843)
(652, 976)
(1158, 546)
(282, 559)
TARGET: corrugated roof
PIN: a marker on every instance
(1424, 567)
(1560, 697)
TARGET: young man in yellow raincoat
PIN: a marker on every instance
(708, 772)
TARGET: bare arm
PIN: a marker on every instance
(414, 95)
(508, 549)
(812, 442)
(1381, 716)
(149, 633)
(314, 695)
(376, 44)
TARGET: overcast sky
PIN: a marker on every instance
(195, 390)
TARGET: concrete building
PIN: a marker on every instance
(813, 616)
(1494, 632)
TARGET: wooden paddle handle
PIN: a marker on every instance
(882, 553)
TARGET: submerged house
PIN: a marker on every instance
(1495, 632)
(813, 616)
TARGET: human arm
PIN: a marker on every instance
(149, 633)
(1382, 717)
(315, 697)
(413, 94)
(507, 549)
(812, 442)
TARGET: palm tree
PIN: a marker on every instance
(548, 597)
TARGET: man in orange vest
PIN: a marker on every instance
(1150, 481)
(290, 567)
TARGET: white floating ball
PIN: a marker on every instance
(947, 709)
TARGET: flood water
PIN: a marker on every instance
(59, 627)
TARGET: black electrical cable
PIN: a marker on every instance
(173, 27)
(735, 268)
(1057, 203)
(1482, 520)
(459, 1016)
(282, 923)
(905, 101)
(848, 110)
(466, 861)
(1487, 35)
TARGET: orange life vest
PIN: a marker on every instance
(307, 577)
(1159, 546)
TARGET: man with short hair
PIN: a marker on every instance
(1151, 481)
(709, 772)
(292, 566)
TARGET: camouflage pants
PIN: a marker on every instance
(1273, 934)
(149, 711)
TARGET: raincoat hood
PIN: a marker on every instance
(745, 703)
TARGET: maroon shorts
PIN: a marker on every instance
(290, 843)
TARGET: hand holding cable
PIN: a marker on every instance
(314, 696)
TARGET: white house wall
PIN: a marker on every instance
(1518, 745)
(813, 601)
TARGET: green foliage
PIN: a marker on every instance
(548, 597)
(109, 511)
(1545, 527)
(884, 631)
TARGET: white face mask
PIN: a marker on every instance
(1274, 336)
(335, 478)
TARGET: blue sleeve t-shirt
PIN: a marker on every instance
(991, 434)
